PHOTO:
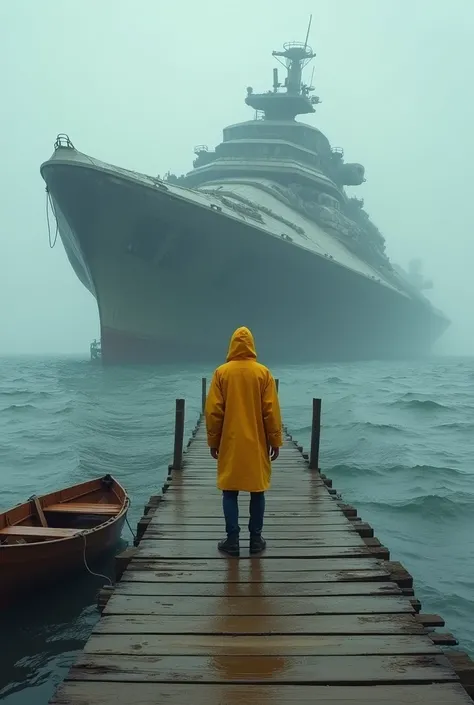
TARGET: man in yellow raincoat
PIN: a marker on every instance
(243, 424)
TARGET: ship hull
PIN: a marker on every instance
(173, 277)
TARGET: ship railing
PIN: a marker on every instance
(63, 142)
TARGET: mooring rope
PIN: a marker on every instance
(49, 203)
(97, 575)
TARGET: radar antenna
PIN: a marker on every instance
(308, 31)
(294, 97)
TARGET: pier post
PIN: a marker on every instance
(203, 394)
(315, 435)
(277, 384)
(178, 435)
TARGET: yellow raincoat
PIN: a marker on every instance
(243, 417)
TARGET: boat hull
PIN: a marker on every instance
(27, 567)
(173, 277)
(34, 567)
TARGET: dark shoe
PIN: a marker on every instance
(257, 544)
(229, 546)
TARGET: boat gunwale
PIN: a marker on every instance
(81, 533)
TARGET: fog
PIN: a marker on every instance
(139, 84)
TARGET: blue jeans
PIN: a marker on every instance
(230, 505)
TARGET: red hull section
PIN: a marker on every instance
(119, 347)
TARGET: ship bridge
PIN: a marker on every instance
(274, 145)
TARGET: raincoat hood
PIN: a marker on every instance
(242, 345)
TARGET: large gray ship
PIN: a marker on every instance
(261, 232)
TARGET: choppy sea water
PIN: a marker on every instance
(397, 439)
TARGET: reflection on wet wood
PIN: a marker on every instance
(329, 538)
(254, 569)
(103, 693)
(273, 624)
(187, 589)
(318, 519)
(190, 580)
(207, 549)
(336, 538)
(276, 533)
(245, 645)
(256, 605)
(215, 668)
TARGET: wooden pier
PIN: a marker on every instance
(321, 617)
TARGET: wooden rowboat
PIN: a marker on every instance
(46, 538)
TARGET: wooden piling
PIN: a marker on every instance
(322, 616)
(178, 435)
(277, 384)
(203, 394)
(315, 435)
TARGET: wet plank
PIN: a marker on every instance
(317, 520)
(103, 693)
(282, 532)
(184, 511)
(338, 538)
(253, 569)
(321, 670)
(258, 589)
(200, 477)
(190, 579)
(245, 645)
(233, 606)
(198, 507)
(364, 624)
(208, 549)
(213, 500)
(293, 491)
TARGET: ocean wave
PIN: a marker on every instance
(430, 505)
(411, 472)
(43, 395)
(457, 426)
(14, 392)
(422, 404)
(392, 428)
(18, 408)
(443, 601)
(68, 409)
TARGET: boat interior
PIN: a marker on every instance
(63, 514)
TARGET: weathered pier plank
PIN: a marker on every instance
(280, 624)
(274, 589)
(139, 693)
(321, 617)
(217, 668)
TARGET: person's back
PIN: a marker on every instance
(243, 425)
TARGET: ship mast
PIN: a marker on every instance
(294, 99)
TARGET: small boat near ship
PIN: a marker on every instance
(49, 537)
(95, 350)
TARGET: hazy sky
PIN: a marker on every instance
(138, 84)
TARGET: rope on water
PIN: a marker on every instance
(131, 530)
(97, 575)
